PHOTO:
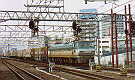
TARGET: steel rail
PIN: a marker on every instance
(87, 75)
(17, 74)
(26, 72)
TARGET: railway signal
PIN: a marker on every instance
(74, 25)
(76, 28)
(33, 25)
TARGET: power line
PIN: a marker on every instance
(119, 5)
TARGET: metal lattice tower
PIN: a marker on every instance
(45, 5)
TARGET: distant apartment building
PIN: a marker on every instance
(89, 28)
(107, 24)
(106, 51)
(105, 33)
(105, 41)
(105, 46)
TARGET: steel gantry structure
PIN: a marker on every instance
(45, 5)
(20, 19)
(14, 24)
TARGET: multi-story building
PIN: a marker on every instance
(105, 41)
(106, 26)
(89, 28)
(105, 31)
(106, 53)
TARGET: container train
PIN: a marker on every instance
(76, 52)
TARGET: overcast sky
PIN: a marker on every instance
(70, 5)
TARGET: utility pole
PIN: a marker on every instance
(98, 44)
(116, 39)
(112, 31)
(126, 32)
(130, 33)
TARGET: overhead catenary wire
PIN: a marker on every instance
(118, 6)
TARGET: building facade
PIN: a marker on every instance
(107, 24)
(89, 28)
(106, 42)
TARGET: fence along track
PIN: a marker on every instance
(21, 73)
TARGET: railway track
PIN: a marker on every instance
(21, 73)
(87, 75)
